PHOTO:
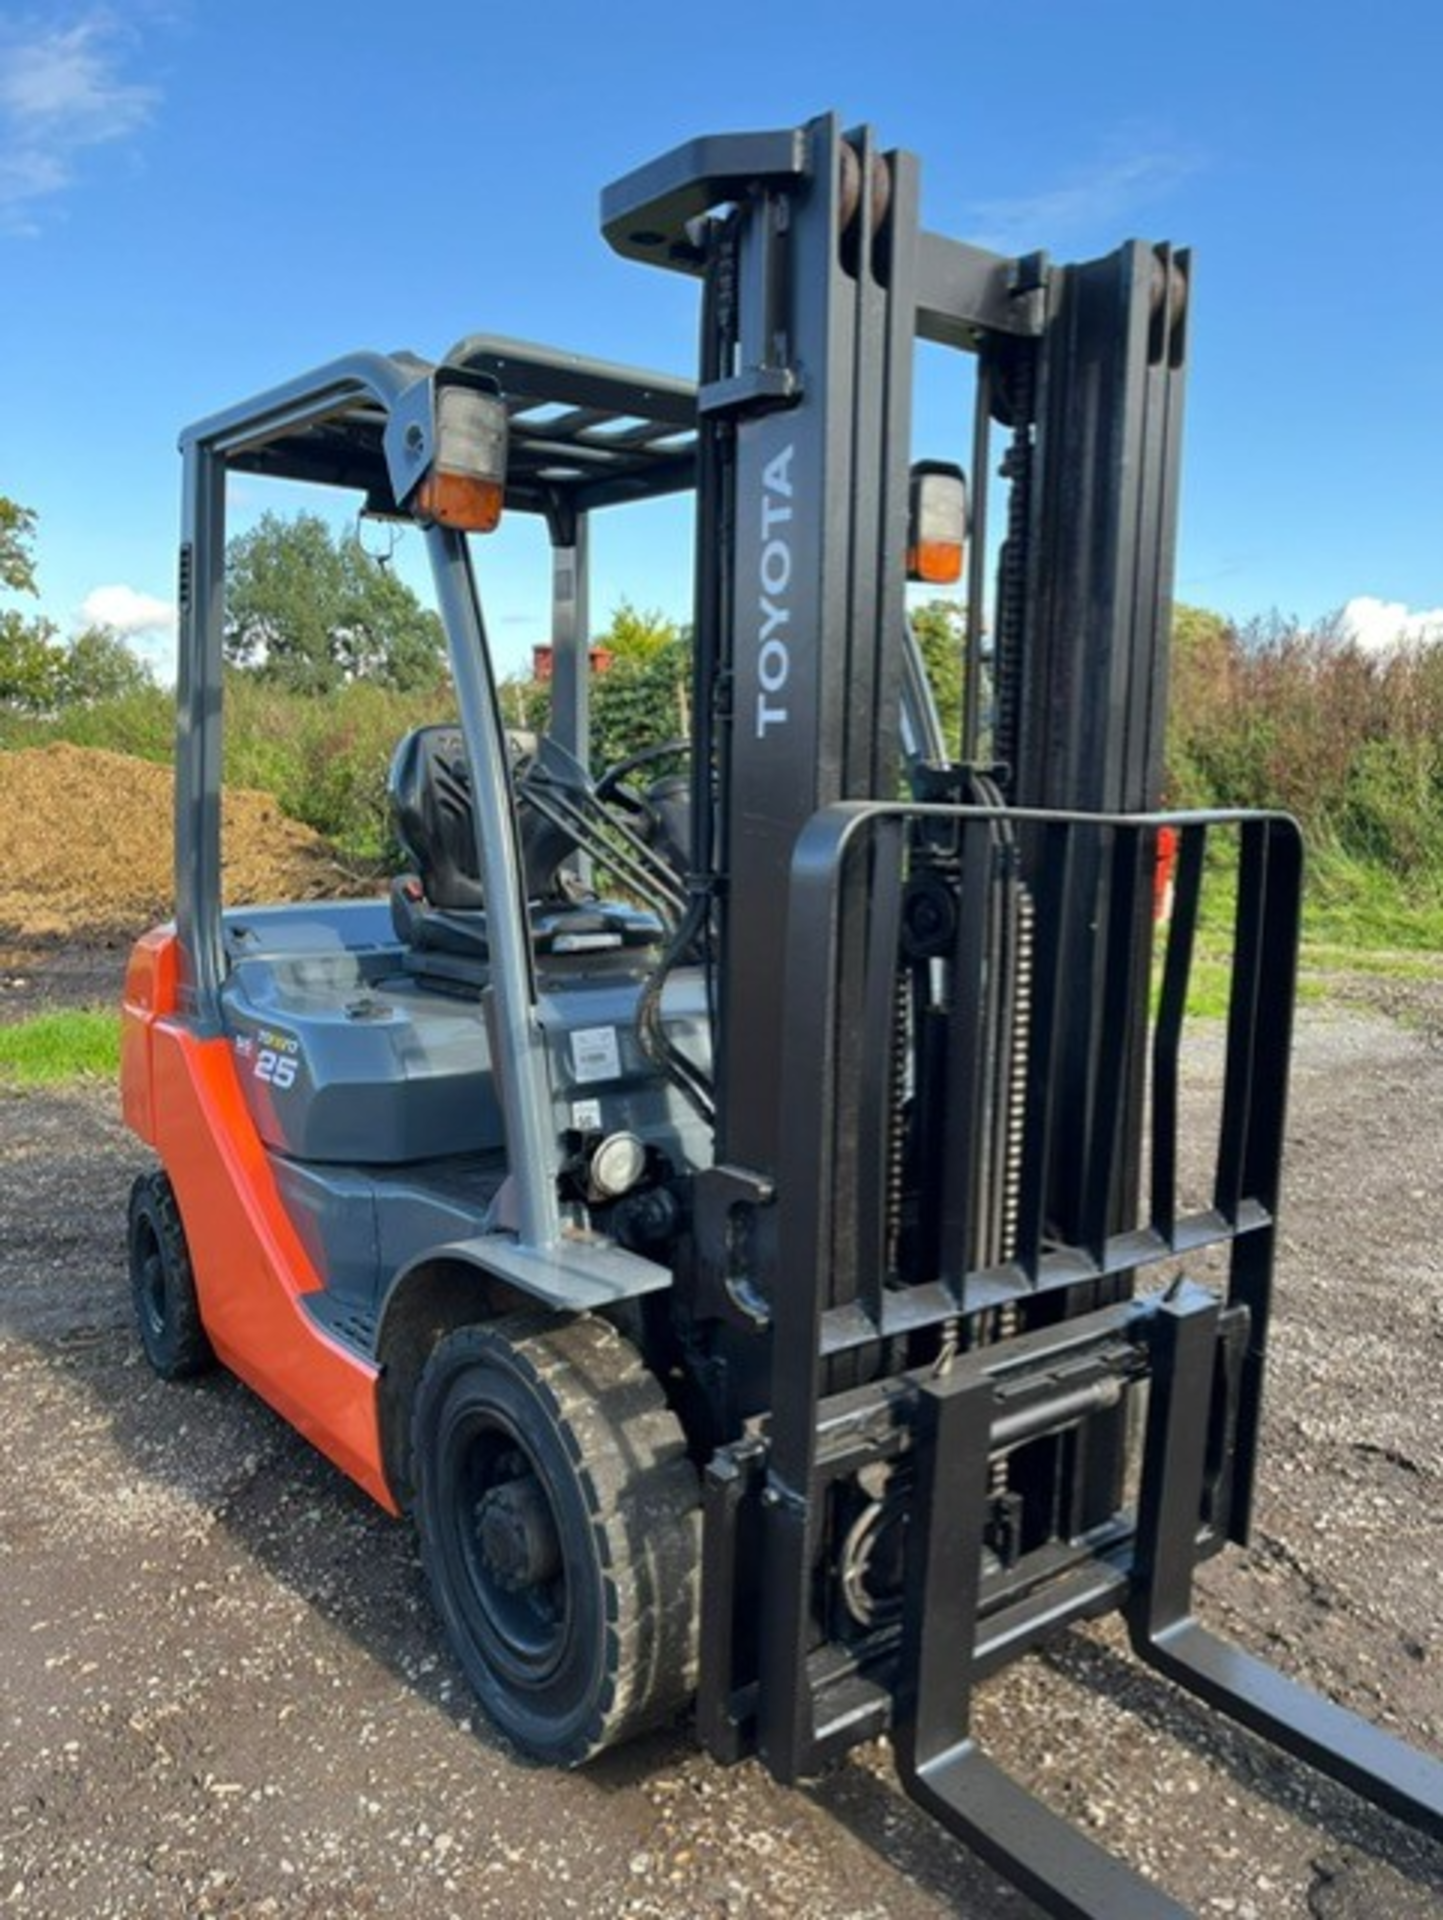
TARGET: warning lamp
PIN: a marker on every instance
(617, 1164)
(936, 523)
(466, 481)
(446, 449)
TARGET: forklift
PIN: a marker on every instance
(747, 1218)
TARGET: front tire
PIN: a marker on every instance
(560, 1531)
(167, 1308)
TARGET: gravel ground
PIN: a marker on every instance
(222, 1690)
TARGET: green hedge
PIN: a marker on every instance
(1348, 741)
(324, 757)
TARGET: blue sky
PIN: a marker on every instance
(199, 199)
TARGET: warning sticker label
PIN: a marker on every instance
(595, 1054)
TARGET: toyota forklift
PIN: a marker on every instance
(748, 1217)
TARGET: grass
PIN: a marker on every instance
(1380, 962)
(1358, 919)
(51, 1048)
(1362, 913)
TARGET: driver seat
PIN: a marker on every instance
(438, 907)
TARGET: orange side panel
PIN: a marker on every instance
(250, 1267)
(151, 979)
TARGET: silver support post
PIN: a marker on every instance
(570, 643)
(571, 656)
(520, 1063)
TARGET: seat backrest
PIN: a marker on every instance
(439, 908)
(431, 809)
(430, 793)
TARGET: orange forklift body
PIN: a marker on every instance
(181, 1095)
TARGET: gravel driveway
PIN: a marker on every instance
(222, 1691)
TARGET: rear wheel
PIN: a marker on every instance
(167, 1310)
(560, 1530)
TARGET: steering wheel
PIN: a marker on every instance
(612, 784)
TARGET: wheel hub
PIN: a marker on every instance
(517, 1535)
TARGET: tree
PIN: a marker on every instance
(644, 697)
(17, 529)
(940, 628)
(310, 611)
(637, 635)
(28, 661)
(97, 665)
(38, 672)
(28, 654)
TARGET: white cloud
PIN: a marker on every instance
(61, 92)
(1377, 625)
(1097, 201)
(132, 614)
(146, 624)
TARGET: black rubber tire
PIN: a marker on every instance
(167, 1309)
(590, 1635)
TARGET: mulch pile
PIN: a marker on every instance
(85, 846)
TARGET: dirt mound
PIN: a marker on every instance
(85, 845)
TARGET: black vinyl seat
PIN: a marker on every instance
(438, 907)
(430, 793)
